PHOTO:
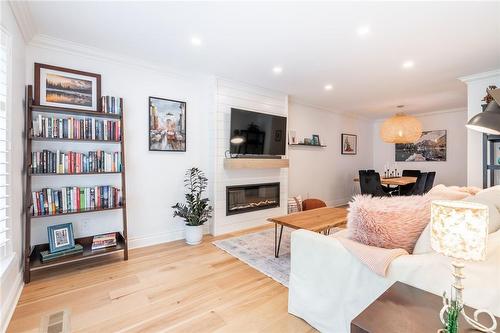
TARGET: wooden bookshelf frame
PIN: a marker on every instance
(32, 261)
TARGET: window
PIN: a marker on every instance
(5, 247)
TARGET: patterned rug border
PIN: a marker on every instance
(224, 247)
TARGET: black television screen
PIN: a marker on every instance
(254, 133)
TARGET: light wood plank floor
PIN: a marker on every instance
(165, 288)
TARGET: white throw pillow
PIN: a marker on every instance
(423, 244)
(492, 194)
(295, 204)
(494, 214)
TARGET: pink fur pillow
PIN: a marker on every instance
(389, 222)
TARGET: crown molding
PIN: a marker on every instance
(61, 45)
(24, 19)
(427, 114)
(480, 76)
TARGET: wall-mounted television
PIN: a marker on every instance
(257, 134)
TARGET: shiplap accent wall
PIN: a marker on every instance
(236, 95)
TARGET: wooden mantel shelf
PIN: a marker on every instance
(255, 163)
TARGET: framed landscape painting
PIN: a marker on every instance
(349, 144)
(167, 125)
(67, 88)
(431, 146)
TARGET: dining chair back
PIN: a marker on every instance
(410, 173)
(369, 183)
(309, 204)
(429, 182)
(419, 186)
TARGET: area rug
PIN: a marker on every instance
(257, 251)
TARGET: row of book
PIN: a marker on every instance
(73, 199)
(111, 104)
(47, 161)
(103, 241)
(76, 128)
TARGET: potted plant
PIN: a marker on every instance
(196, 211)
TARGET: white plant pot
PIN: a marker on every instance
(194, 234)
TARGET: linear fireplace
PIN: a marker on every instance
(247, 198)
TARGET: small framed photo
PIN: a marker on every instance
(315, 140)
(167, 125)
(349, 144)
(67, 88)
(61, 237)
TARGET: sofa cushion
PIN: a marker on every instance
(389, 222)
(492, 194)
(423, 244)
(442, 192)
(493, 213)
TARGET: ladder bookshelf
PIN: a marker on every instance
(32, 260)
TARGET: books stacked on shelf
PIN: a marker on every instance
(47, 161)
(74, 199)
(110, 104)
(103, 241)
(48, 256)
(76, 128)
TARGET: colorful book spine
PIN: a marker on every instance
(77, 129)
(111, 104)
(58, 162)
(73, 199)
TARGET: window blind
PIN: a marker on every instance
(4, 145)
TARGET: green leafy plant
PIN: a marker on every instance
(196, 211)
(453, 311)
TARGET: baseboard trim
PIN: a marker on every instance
(159, 238)
(11, 301)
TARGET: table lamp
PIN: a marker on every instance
(459, 230)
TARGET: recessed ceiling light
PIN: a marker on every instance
(277, 69)
(364, 30)
(408, 64)
(196, 41)
(328, 87)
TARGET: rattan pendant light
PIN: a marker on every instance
(401, 128)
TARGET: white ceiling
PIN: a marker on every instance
(315, 43)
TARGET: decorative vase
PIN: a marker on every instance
(194, 234)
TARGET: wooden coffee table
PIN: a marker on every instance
(317, 220)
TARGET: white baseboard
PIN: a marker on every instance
(11, 301)
(159, 238)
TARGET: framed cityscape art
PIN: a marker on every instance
(167, 125)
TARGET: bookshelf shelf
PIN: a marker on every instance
(88, 253)
(76, 112)
(34, 138)
(32, 174)
(32, 257)
(79, 211)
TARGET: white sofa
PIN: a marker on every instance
(329, 286)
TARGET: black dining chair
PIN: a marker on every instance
(369, 183)
(429, 182)
(419, 187)
(408, 173)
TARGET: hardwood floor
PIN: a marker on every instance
(165, 288)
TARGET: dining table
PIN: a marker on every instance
(395, 181)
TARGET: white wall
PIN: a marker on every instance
(241, 96)
(323, 172)
(11, 274)
(476, 90)
(451, 172)
(154, 179)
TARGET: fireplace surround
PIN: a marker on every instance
(247, 198)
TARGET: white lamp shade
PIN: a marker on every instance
(459, 229)
(401, 128)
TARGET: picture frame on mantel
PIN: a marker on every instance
(349, 144)
(61, 87)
